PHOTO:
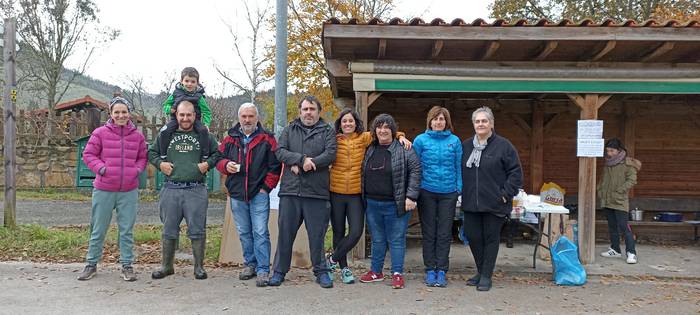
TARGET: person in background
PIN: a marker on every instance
(440, 154)
(491, 177)
(346, 201)
(390, 188)
(619, 176)
(116, 152)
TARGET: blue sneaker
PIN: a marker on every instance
(324, 280)
(430, 278)
(348, 278)
(276, 279)
(441, 280)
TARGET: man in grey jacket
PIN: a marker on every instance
(307, 147)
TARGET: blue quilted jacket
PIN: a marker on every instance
(440, 154)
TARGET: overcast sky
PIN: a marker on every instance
(159, 38)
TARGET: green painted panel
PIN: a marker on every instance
(538, 86)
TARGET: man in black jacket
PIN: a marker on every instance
(253, 171)
(307, 147)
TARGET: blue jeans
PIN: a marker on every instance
(103, 203)
(387, 229)
(251, 222)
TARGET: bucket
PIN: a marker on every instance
(636, 215)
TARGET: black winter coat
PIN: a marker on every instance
(298, 142)
(491, 186)
(406, 174)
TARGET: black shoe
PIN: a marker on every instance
(484, 284)
(168, 255)
(198, 253)
(474, 281)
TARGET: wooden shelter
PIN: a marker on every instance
(642, 80)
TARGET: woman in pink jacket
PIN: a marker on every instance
(116, 152)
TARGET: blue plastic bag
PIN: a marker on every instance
(567, 267)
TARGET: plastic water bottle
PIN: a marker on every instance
(575, 229)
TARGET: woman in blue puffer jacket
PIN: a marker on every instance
(440, 153)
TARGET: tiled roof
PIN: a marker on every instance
(520, 23)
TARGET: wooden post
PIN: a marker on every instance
(9, 99)
(362, 107)
(537, 148)
(589, 105)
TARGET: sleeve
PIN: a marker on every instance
(142, 156)
(167, 105)
(283, 153)
(366, 138)
(327, 157)
(630, 179)
(514, 172)
(418, 145)
(221, 165)
(214, 155)
(274, 167)
(91, 154)
(414, 175)
(154, 154)
(458, 164)
(206, 111)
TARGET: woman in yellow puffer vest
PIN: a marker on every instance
(346, 199)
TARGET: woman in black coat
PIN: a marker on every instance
(491, 176)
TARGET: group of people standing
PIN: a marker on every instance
(329, 173)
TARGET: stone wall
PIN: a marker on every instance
(44, 166)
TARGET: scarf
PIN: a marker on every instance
(475, 157)
(617, 159)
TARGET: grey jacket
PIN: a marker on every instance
(406, 174)
(297, 142)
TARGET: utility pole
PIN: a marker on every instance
(281, 67)
(9, 98)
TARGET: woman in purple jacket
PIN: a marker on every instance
(116, 152)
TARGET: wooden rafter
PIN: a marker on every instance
(490, 49)
(659, 51)
(609, 46)
(437, 48)
(548, 48)
(382, 49)
(328, 47)
(521, 123)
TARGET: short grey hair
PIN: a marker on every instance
(487, 111)
(247, 105)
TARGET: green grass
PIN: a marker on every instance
(69, 244)
(72, 194)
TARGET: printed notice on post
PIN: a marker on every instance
(590, 147)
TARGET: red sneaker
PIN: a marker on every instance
(372, 276)
(397, 281)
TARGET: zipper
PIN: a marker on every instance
(347, 181)
(121, 140)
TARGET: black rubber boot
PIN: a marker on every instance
(168, 255)
(198, 253)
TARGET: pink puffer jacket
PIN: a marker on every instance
(122, 151)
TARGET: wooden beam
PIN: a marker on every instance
(551, 120)
(373, 97)
(609, 46)
(524, 126)
(338, 68)
(537, 148)
(327, 47)
(437, 48)
(382, 49)
(490, 49)
(589, 105)
(548, 48)
(659, 51)
(361, 106)
(639, 34)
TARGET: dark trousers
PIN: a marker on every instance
(315, 213)
(617, 221)
(484, 234)
(350, 208)
(437, 211)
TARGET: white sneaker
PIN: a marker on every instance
(631, 258)
(611, 253)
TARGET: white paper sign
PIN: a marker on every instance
(590, 147)
(590, 129)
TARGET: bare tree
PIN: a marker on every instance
(255, 65)
(135, 92)
(50, 31)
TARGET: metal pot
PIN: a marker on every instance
(636, 215)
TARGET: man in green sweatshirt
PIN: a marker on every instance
(184, 192)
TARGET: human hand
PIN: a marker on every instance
(203, 167)
(295, 169)
(232, 167)
(410, 205)
(309, 164)
(166, 168)
(405, 142)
